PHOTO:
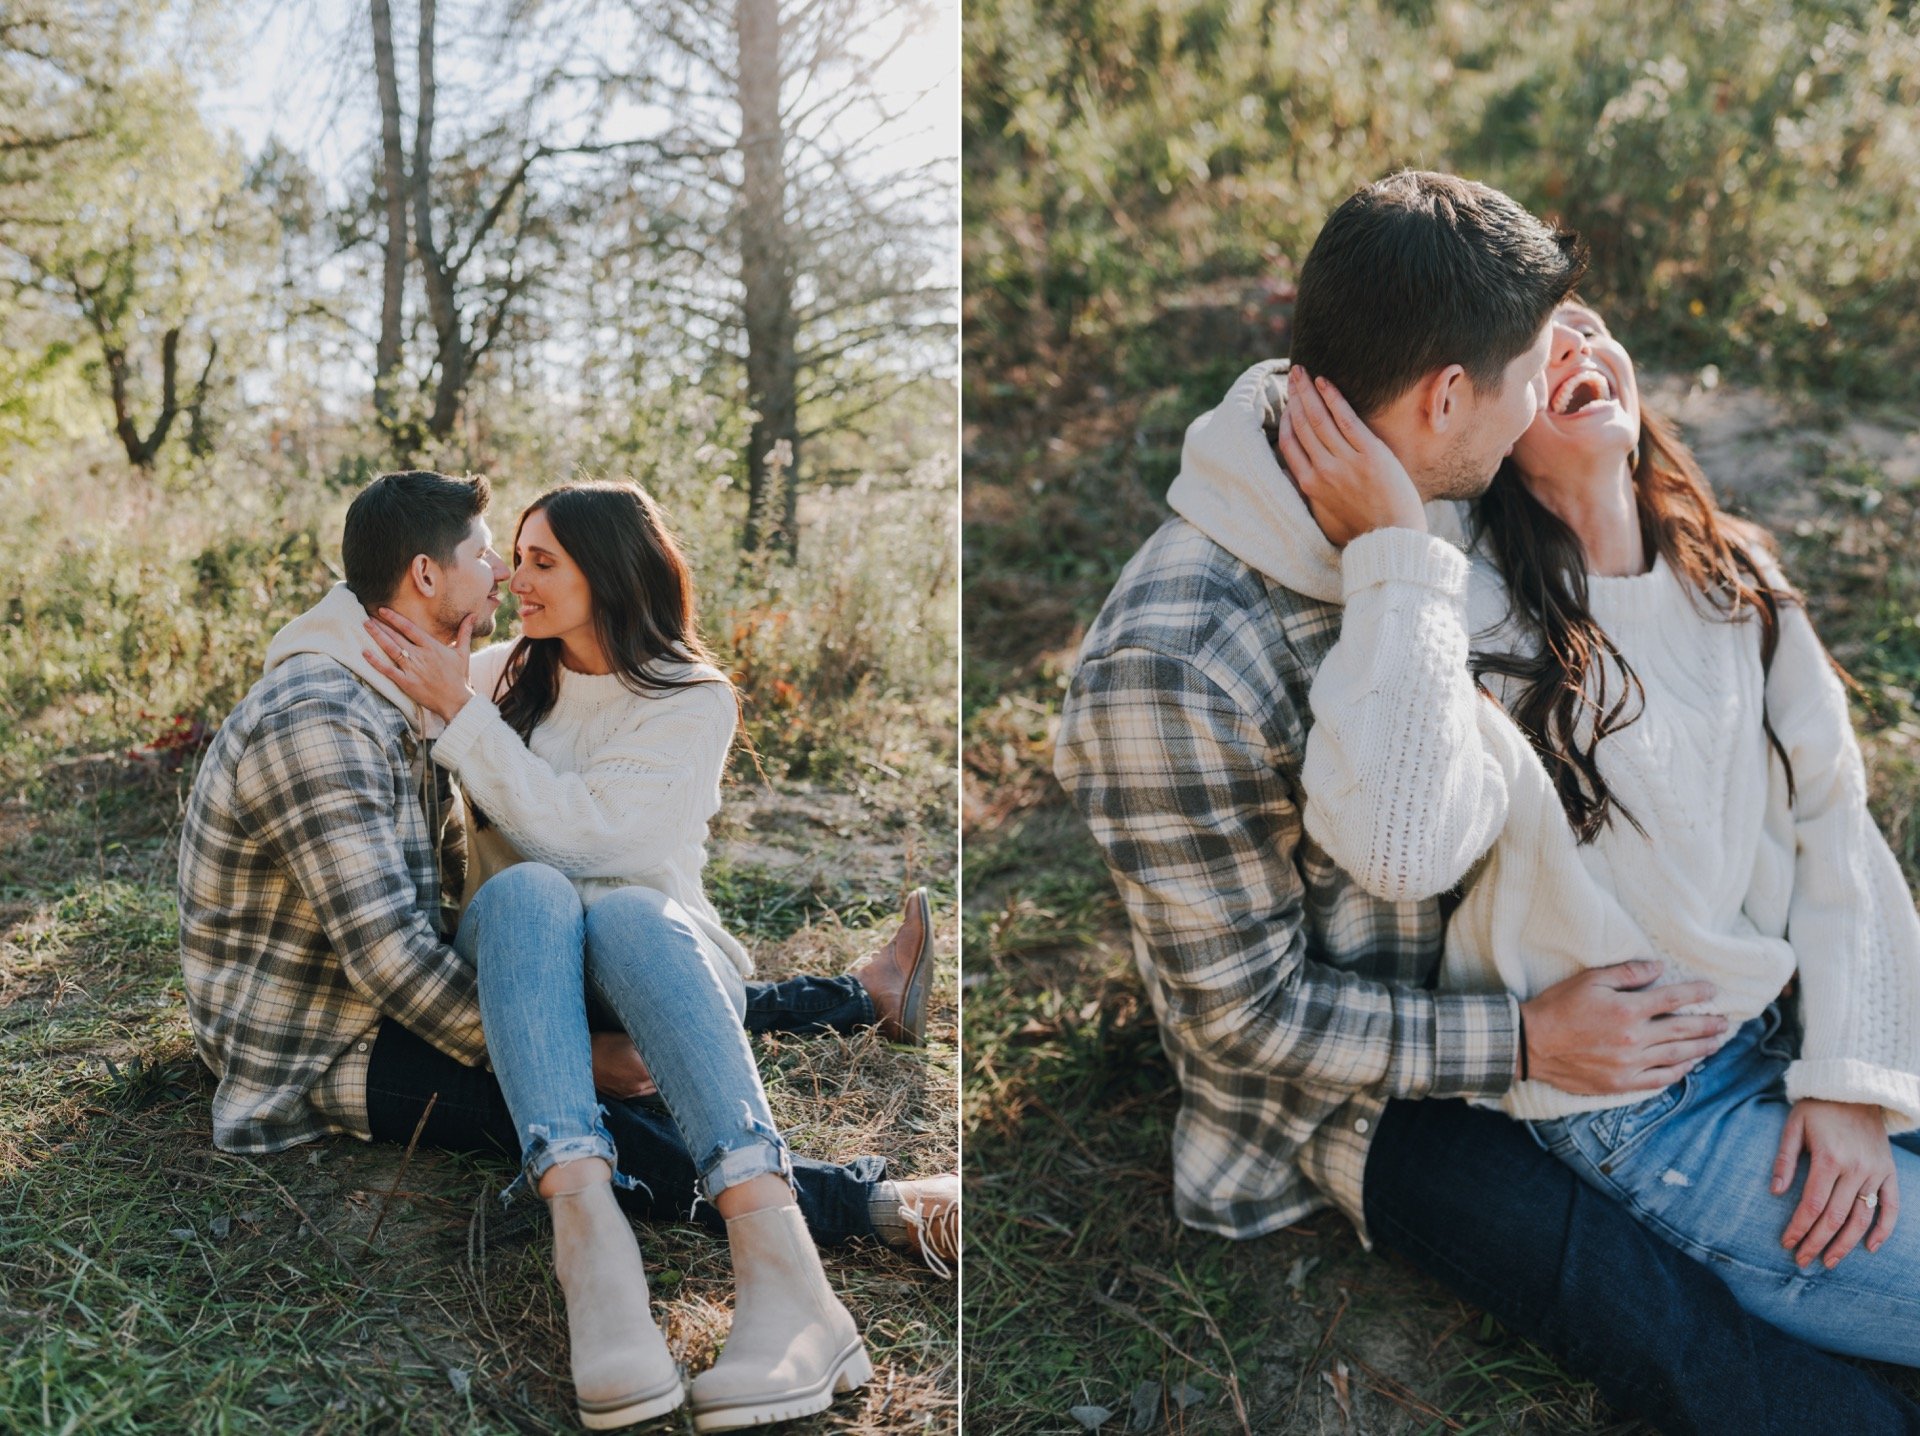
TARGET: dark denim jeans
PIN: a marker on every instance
(471, 1116)
(1470, 1198)
(809, 1006)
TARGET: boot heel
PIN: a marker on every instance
(855, 1371)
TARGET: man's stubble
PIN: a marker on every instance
(1460, 474)
(448, 616)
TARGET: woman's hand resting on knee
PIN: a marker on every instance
(1851, 1183)
(617, 1068)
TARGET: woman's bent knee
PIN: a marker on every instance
(640, 933)
(641, 922)
(526, 913)
(637, 904)
(530, 884)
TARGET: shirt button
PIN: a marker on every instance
(1361, 1126)
(360, 1047)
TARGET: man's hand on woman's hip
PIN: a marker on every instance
(1609, 1030)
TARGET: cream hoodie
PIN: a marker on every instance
(334, 628)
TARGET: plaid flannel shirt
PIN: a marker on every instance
(310, 905)
(1292, 1004)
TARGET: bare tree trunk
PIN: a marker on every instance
(393, 176)
(451, 387)
(199, 433)
(141, 452)
(790, 491)
(766, 272)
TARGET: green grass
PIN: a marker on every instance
(761, 904)
(151, 1284)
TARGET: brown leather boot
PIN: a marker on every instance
(793, 1346)
(899, 977)
(622, 1370)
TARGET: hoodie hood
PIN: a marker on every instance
(1232, 487)
(334, 628)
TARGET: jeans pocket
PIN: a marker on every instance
(1618, 1128)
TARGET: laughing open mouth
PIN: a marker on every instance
(1578, 390)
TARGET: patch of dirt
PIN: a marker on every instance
(1760, 448)
(820, 836)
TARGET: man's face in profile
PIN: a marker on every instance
(470, 583)
(1493, 421)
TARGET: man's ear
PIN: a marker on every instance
(424, 574)
(1442, 395)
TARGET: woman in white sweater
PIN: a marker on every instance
(591, 753)
(1666, 770)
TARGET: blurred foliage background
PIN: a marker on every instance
(1746, 171)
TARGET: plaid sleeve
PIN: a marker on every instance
(318, 789)
(1180, 788)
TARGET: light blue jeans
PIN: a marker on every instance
(1694, 1164)
(539, 954)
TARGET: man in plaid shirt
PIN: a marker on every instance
(315, 843)
(1316, 1064)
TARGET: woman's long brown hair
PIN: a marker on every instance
(1577, 672)
(642, 590)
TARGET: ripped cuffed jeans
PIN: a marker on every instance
(640, 955)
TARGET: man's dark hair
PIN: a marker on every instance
(1423, 270)
(399, 516)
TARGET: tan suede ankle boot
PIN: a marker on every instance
(793, 1345)
(622, 1370)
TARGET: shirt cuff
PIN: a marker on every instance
(1454, 1044)
(1396, 555)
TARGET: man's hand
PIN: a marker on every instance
(1849, 1160)
(617, 1068)
(1352, 482)
(1607, 1030)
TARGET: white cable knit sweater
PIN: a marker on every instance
(1411, 776)
(616, 789)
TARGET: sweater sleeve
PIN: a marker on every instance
(627, 811)
(1851, 920)
(1402, 789)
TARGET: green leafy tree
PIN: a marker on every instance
(137, 247)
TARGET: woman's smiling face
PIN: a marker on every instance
(1593, 403)
(555, 601)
